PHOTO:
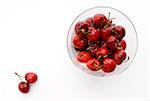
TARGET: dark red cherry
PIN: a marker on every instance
(119, 56)
(83, 56)
(93, 35)
(99, 20)
(118, 32)
(79, 42)
(89, 21)
(109, 65)
(31, 77)
(112, 43)
(102, 52)
(123, 44)
(24, 87)
(93, 64)
(106, 32)
(81, 28)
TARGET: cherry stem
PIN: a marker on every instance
(109, 21)
(86, 32)
(115, 32)
(109, 15)
(79, 30)
(112, 19)
(99, 57)
(20, 77)
(120, 48)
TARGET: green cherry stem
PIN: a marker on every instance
(20, 77)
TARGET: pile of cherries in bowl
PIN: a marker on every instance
(99, 43)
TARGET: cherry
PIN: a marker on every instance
(31, 77)
(123, 44)
(119, 56)
(112, 43)
(79, 42)
(119, 32)
(93, 64)
(99, 20)
(106, 32)
(24, 87)
(102, 52)
(81, 28)
(93, 49)
(109, 65)
(83, 56)
(89, 21)
(93, 35)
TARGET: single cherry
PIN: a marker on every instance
(89, 21)
(118, 32)
(109, 65)
(93, 35)
(79, 42)
(31, 77)
(24, 87)
(119, 56)
(99, 20)
(123, 44)
(106, 32)
(102, 52)
(81, 28)
(93, 64)
(83, 56)
(112, 43)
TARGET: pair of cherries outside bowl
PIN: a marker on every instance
(102, 41)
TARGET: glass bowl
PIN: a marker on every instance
(120, 19)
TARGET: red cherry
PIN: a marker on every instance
(105, 33)
(112, 43)
(119, 56)
(102, 52)
(79, 42)
(89, 21)
(31, 77)
(81, 28)
(123, 44)
(93, 48)
(119, 32)
(93, 64)
(109, 65)
(83, 56)
(24, 87)
(93, 35)
(99, 20)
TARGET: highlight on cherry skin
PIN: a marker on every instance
(25, 82)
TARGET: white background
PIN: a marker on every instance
(33, 38)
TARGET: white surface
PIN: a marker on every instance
(33, 38)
